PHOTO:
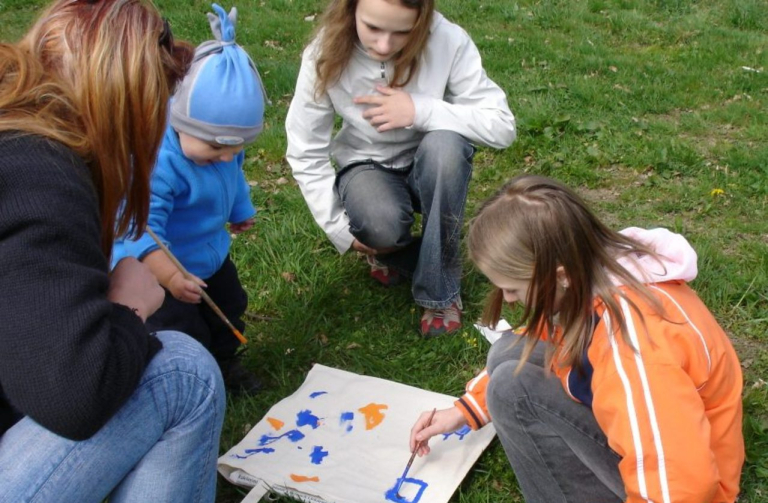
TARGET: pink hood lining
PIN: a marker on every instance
(677, 258)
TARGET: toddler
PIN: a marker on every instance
(197, 187)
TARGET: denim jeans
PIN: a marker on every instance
(161, 446)
(557, 450)
(381, 202)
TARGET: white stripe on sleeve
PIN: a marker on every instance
(695, 328)
(648, 400)
(631, 413)
(476, 380)
(476, 407)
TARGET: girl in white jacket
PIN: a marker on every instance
(413, 99)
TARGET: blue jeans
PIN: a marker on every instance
(381, 202)
(161, 446)
(557, 450)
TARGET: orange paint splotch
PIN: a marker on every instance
(276, 423)
(373, 415)
(302, 478)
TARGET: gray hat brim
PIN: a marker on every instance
(222, 135)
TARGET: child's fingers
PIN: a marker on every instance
(189, 297)
(190, 292)
(372, 114)
(444, 421)
(192, 299)
(197, 281)
(417, 431)
(191, 288)
(370, 99)
(429, 432)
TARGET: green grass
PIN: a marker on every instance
(644, 106)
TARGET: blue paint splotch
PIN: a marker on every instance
(461, 433)
(391, 494)
(306, 418)
(250, 452)
(317, 394)
(347, 417)
(317, 454)
(293, 436)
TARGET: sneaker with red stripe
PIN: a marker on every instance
(436, 322)
(382, 273)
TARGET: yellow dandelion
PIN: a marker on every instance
(716, 192)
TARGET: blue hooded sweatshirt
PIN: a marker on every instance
(189, 208)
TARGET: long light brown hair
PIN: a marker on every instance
(338, 35)
(96, 76)
(534, 225)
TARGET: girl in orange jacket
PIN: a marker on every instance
(622, 386)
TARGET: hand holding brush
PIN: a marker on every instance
(415, 450)
(204, 295)
(428, 425)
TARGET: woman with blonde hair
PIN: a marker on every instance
(413, 98)
(91, 404)
(622, 386)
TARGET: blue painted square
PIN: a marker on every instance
(391, 494)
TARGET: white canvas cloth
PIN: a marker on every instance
(343, 438)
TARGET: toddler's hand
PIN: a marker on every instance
(241, 226)
(392, 109)
(186, 290)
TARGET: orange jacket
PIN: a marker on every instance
(672, 410)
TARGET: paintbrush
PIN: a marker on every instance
(204, 295)
(413, 456)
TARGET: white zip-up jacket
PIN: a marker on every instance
(450, 91)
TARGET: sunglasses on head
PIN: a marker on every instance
(166, 37)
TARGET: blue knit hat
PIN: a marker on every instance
(221, 99)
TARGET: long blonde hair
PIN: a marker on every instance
(338, 35)
(94, 75)
(534, 225)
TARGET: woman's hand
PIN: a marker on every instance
(132, 284)
(392, 109)
(444, 421)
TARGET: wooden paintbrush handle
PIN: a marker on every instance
(168, 253)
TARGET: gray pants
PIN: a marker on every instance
(381, 203)
(558, 452)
